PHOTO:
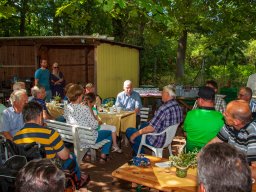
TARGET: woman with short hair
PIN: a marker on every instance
(77, 113)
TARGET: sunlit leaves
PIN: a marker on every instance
(6, 10)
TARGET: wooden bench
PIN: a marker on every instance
(77, 135)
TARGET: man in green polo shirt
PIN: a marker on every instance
(202, 124)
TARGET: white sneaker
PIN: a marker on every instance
(116, 149)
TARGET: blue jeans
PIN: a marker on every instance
(67, 164)
(105, 134)
(137, 140)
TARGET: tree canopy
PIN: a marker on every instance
(183, 41)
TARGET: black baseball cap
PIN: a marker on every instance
(206, 93)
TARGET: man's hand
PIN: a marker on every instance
(7, 135)
(253, 169)
(133, 136)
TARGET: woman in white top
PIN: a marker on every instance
(90, 100)
(77, 113)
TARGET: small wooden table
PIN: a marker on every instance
(122, 120)
(163, 179)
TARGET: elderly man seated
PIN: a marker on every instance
(129, 100)
(202, 125)
(245, 93)
(169, 113)
(239, 129)
(39, 94)
(12, 119)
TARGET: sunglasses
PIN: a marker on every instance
(56, 67)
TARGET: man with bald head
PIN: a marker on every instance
(245, 93)
(239, 129)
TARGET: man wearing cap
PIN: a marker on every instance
(219, 102)
(202, 124)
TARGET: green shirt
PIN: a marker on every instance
(201, 126)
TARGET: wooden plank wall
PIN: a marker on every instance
(76, 62)
(16, 61)
(73, 62)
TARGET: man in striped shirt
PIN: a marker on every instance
(239, 130)
(34, 131)
(170, 113)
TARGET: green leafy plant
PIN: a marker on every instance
(109, 104)
(184, 160)
(57, 98)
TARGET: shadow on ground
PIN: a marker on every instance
(101, 178)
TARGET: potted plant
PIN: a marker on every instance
(182, 162)
(57, 98)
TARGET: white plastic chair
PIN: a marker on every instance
(158, 152)
(144, 114)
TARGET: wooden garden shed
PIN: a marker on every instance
(82, 59)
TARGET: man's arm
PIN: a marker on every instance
(64, 154)
(214, 140)
(46, 115)
(36, 81)
(5, 127)
(7, 135)
(148, 129)
(137, 110)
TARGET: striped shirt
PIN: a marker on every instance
(252, 105)
(47, 137)
(170, 113)
(244, 139)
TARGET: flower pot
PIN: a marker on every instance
(181, 171)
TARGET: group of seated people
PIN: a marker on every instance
(210, 121)
(23, 122)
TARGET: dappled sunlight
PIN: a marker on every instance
(86, 165)
(167, 177)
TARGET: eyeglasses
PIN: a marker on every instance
(56, 67)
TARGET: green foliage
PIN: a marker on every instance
(184, 159)
(6, 11)
(220, 41)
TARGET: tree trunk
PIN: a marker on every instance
(23, 12)
(181, 55)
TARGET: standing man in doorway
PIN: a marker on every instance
(42, 78)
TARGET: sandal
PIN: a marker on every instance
(85, 179)
(103, 160)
